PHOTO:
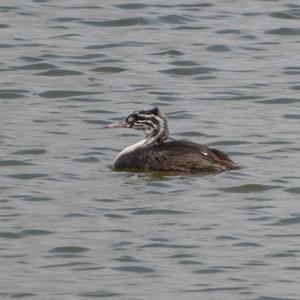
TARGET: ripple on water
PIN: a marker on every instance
(193, 134)
(184, 63)
(182, 255)
(212, 270)
(86, 99)
(218, 48)
(228, 143)
(24, 233)
(229, 31)
(295, 190)
(12, 94)
(293, 219)
(292, 116)
(38, 66)
(11, 163)
(66, 19)
(175, 19)
(249, 188)
(291, 71)
(283, 254)
(22, 295)
(33, 151)
(135, 269)
(279, 101)
(64, 93)
(126, 258)
(131, 5)
(31, 59)
(88, 56)
(189, 71)
(189, 28)
(168, 245)
(105, 46)
(100, 294)
(289, 14)
(89, 159)
(211, 290)
(35, 198)
(109, 69)
(100, 122)
(98, 111)
(68, 250)
(190, 262)
(170, 52)
(60, 72)
(71, 264)
(115, 216)
(119, 22)
(27, 176)
(226, 237)
(6, 46)
(247, 244)
(7, 8)
(158, 212)
(284, 31)
(195, 5)
(274, 298)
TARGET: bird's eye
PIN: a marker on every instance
(130, 119)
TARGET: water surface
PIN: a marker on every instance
(227, 75)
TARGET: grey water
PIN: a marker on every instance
(227, 74)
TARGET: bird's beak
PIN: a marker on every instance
(117, 125)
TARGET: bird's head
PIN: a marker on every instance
(153, 122)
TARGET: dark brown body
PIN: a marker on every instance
(181, 155)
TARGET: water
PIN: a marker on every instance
(227, 75)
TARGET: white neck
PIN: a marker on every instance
(133, 147)
(150, 139)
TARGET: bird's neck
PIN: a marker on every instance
(158, 135)
(155, 138)
(133, 147)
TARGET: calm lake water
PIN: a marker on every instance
(227, 73)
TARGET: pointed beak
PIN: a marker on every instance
(117, 125)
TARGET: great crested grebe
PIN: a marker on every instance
(157, 154)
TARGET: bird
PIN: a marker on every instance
(157, 153)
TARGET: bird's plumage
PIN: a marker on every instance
(180, 155)
(157, 154)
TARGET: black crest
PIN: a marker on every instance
(155, 111)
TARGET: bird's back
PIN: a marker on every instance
(178, 155)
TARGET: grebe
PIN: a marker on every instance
(155, 153)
